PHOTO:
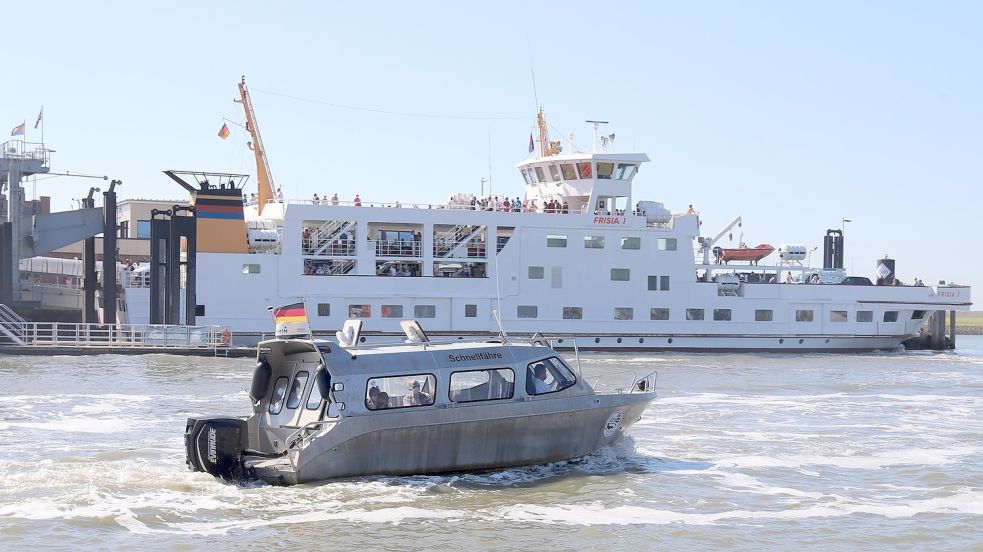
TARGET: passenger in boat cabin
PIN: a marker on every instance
(538, 373)
(416, 397)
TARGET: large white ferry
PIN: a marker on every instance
(577, 256)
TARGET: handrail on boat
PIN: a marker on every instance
(298, 435)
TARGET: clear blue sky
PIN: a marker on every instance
(792, 114)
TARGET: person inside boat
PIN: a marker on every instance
(539, 374)
(691, 211)
(381, 400)
(415, 397)
(371, 397)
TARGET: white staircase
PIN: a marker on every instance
(13, 327)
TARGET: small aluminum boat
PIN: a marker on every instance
(324, 409)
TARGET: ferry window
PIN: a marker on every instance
(653, 283)
(324, 309)
(631, 243)
(425, 311)
(865, 316)
(890, 316)
(623, 313)
(568, 171)
(620, 274)
(664, 283)
(721, 315)
(584, 170)
(400, 391)
(539, 174)
(694, 314)
(391, 311)
(525, 175)
(279, 392)
(594, 242)
(803, 316)
(658, 313)
(605, 170)
(554, 173)
(556, 240)
(297, 389)
(250, 269)
(625, 171)
(667, 244)
(199, 310)
(359, 311)
(482, 385)
(143, 229)
(764, 315)
(527, 311)
(573, 313)
(837, 316)
(536, 273)
(556, 277)
(471, 311)
(548, 376)
(917, 315)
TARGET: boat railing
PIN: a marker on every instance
(299, 438)
(636, 383)
(397, 248)
(445, 206)
(124, 336)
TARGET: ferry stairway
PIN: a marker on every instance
(451, 243)
(13, 327)
(326, 238)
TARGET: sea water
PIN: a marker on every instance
(748, 451)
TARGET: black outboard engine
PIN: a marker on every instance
(214, 444)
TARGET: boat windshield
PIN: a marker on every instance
(549, 375)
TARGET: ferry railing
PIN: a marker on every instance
(126, 336)
(397, 248)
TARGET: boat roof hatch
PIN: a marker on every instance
(350, 334)
(414, 332)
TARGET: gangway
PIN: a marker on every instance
(12, 325)
(61, 337)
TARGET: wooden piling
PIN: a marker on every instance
(952, 329)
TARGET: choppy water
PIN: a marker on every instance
(740, 451)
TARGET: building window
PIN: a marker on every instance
(721, 315)
(837, 316)
(556, 240)
(482, 385)
(573, 313)
(471, 311)
(694, 314)
(631, 243)
(359, 311)
(658, 313)
(143, 229)
(917, 315)
(324, 309)
(250, 269)
(620, 274)
(664, 283)
(623, 313)
(667, 244)
(535, 273)
(594, 242)
(425, 311)
(865, 316)
(527, 311)
(391, 311)
(124, 229)
(803, 315)
(764, 315)
(890, 316)
(400, 391)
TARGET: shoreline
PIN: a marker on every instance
(965, 329)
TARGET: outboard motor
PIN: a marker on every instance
(214, 445)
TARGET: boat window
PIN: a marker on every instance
(865, 316)
(625, 171)
(279, 393)
(605, 170)
(594, 242)
(664, 283)
(623, 313)
(391, 311)
(721, 315)
(314, 397)
(917, 315)
(568, 171)
(764, 315)
(482, 385)
(694, 314)
(890, 316)
(324, 309)
(803, 315)
(584, 170)
(525, 175)
(555, 173)
(250, 269)
(667, 244)
(400, 391)
(631, 243)
(470, 311)
(425, 311)
(539, 174)
(536, 273)
(620, 274)
(297, 389)
(653, 283)
(548, 376)
(527, 311)
(359, 311)
(556, 240)
(573, 313)
(658, 313)
(837, 316)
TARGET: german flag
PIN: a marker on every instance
(290, 313)
(223, 132)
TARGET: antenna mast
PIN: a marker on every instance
(264, 178)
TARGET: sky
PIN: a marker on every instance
(792, 115)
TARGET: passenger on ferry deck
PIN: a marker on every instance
(316, 199)
(392, 270)
(358, 201)
(279, 195)
(516, 205)
(788, 277)
(565, 208)
(334, 199)
(690, 211)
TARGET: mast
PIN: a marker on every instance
(546, 147)
(264, 178)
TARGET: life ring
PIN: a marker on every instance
(226, 337)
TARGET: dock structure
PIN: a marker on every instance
(936, 334)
